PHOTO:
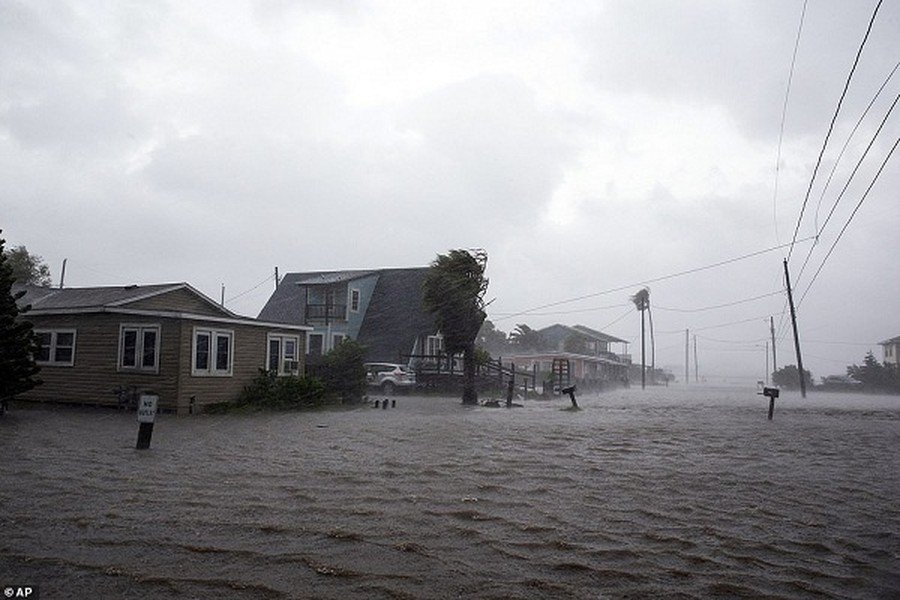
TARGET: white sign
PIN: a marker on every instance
(146, 409)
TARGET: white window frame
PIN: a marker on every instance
(211, 369)
(282, 339)
(54, 335)
(140, 329)
(434, 345)
(355, 301)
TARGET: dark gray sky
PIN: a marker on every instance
(589, 147)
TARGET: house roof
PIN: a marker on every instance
(394, 318)
(166, 299)
(96, 298)
(599, 335)
(895, 340)
(581, 330)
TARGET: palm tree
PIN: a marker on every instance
(642, 302)
(526, 338)
(453, 291)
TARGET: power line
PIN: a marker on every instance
(847, 144)
(850, 179)
(655, 280)
(718, 306)
(849, 219)
(837, 110)
(244, 293)
(787, 93)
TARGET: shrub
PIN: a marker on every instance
(344, 371)
(269, 390)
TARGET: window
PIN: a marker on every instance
(354, 300)
(55, 347)
(139, 348)
(434, 344)
(315, 344)
(336, 340)
(283, 355)
(213, 353)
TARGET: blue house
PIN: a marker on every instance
(380, 308)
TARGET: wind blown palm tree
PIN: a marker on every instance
(642, 302)
(453, 292)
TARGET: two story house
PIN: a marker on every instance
(587, 352)
(380, 308)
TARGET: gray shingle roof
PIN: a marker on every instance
(393, 321)
(395, 317)
(101, 297)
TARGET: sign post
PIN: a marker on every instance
(146, 414)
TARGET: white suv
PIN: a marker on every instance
(389, 376)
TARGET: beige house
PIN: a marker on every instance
(107, 345)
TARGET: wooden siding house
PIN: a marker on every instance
(107, 345)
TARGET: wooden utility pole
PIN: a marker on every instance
(696, 367)
(787, 281)
(772, 329)
(643, 359)
(687, 356)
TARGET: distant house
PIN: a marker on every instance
(380, 308)
(104, 345)
(890, 349)
(587, 351)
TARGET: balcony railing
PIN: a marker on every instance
(326, 312)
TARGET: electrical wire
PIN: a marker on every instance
(849, 219)
(718, 306)
(834, 117)
(655, 280)
(784, 107)
(850, 180)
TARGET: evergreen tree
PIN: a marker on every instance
(28, 268)
(17, 342)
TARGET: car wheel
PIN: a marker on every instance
(388, 387)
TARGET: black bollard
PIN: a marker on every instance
(393, 404)
(377, 403)
(384, 404)
(571, 392)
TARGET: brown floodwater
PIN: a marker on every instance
(664, 493)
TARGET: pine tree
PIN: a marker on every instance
(17, 341)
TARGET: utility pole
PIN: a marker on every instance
(787, 280)
(62, 277)
(772, 329)
(643, 355)
(276, 278)
(696, 368)
(687, 356)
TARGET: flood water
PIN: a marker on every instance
(663, 493)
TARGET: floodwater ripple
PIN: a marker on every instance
(664, 493)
